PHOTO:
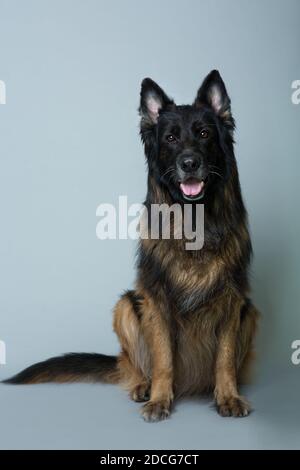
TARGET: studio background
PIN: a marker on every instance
(69, 141)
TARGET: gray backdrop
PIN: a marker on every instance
(69, 141)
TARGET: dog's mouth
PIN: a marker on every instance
(192, 188)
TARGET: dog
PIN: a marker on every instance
(188, 325)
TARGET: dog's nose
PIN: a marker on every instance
(190, 164)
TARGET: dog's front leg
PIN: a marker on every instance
(228, 400)
(157, 333)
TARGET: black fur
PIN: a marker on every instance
(80, 366)
(136, 302)
(203, 134)
(225, 212)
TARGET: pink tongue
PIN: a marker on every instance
(191, 188)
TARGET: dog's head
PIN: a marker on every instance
(188, 148)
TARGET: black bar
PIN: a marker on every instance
(139, 458)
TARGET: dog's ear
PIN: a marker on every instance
(213, 94)
(153, 100)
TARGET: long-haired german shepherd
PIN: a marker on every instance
(188, 325)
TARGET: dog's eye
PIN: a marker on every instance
(204, 133)
(171, 138)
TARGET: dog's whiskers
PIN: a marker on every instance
(169, 171)
(216, 173)
(214, 167)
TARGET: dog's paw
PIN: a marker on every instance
(156, 411)
(234, 406)
(141, 392)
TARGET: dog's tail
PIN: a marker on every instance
(72, 367)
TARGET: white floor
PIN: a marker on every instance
(101, 417)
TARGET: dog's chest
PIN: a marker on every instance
(191, 281)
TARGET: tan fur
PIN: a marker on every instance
(134, 360)
(157, 336)
(212, 352)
